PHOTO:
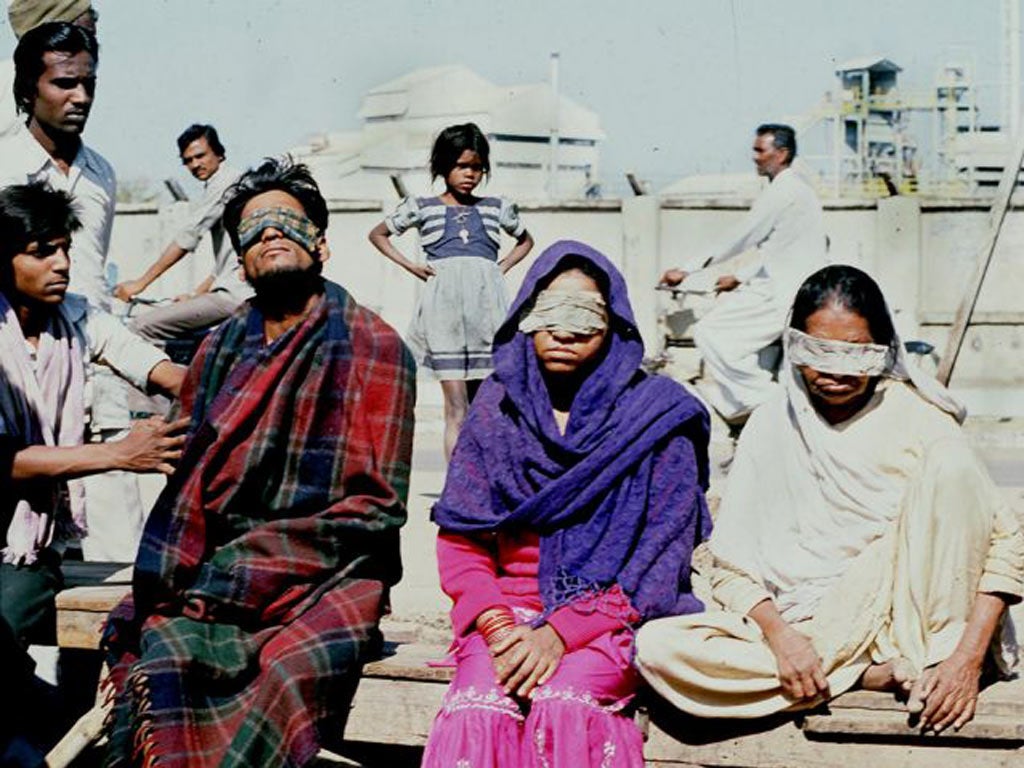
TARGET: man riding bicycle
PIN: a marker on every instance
(786, 228)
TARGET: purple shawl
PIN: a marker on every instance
(619, 498)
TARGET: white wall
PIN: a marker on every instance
(921, 256)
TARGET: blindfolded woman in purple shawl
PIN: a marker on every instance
(573, 503)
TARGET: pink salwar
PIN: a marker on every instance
(575, 719)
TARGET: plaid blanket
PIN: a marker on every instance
(264, 566)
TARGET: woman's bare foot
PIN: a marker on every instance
(894, 675)
(917, 697)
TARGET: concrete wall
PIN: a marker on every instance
(921, 255)
(990, 368)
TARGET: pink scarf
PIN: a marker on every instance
(44, 404)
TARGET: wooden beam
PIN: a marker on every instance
(1007, 185)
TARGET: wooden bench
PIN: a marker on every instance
(399, 696)
(91, 590)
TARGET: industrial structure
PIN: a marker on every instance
(544, 146)
(871, 137)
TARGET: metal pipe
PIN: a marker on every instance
(553, 141)
(1011, 66)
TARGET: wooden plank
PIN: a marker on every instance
(1004, 698)
(81, 612)
(1007, 184)
(93, 589)
(388, 711)
(411, 661)
(80, 629)
(784, 745)
(97, 599)
(780, 741)
(400, 695)
(780, 753)
(860, 723)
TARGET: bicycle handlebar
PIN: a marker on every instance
(675, 290)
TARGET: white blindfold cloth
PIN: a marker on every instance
(842, 358)
(576, 312)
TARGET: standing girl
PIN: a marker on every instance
(464, 301)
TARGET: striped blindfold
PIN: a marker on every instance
(291, 224)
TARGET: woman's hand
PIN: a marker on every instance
(948, 692)
(800, 669)
(526, 658)
(422, 271)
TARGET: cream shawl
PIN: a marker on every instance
(804, 497)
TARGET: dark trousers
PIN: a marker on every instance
(28, 615)
(27, 595)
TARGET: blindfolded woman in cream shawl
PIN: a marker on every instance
(859, 541)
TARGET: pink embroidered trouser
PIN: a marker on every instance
(575, 719)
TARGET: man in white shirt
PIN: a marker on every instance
(54, 84)
(785, 226)
(23, 16)
(224, 289)
(55, 79)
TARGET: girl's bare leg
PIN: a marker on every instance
(456, 403)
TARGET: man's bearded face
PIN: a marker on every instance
(281, 248)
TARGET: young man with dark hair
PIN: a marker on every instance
(54, 83)
(48, 338)
(786, 228)
(266, 562)
(24, 15)
(200, 131)
(224, 290)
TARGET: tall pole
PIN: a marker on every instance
(553, 141)
(1011, 66)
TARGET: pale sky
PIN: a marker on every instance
(678, 84)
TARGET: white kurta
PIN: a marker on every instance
(785, 225)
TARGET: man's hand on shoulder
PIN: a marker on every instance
(152, 445)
